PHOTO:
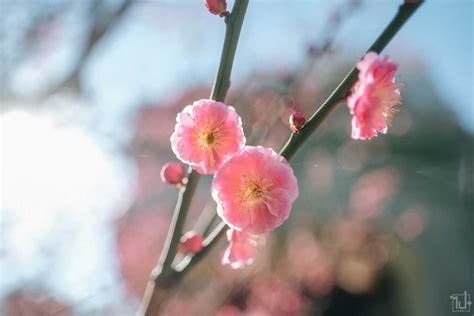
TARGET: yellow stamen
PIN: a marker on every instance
(207, 138)
(253, 192)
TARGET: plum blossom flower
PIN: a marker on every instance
(172, 173)
(191, 242)
(254, 190)
(241, 250)
(375, 97)
(207, 134)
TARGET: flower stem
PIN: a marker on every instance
(164, 278)
(233, 23)
(176, 227)
(296, 140)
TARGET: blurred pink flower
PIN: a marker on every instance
(241, 250)
(274, 296)
(140, 238)
(371, 192)
(217, 7)
(373, 101)
(191, 242)
(410, 224)
(207, 133)
(254, 190)
(229, 310)
(172, 173)
(305, 251)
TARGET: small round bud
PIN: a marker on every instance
(297, 121)
(173, 173)
(217, 7)
(191, 242)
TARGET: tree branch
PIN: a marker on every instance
(163, 278)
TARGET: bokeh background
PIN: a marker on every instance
(89, 94)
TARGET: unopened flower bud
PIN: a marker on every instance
(217, 7)
(191, 242)
(297, 121)
(173, 173)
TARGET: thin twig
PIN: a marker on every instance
(233, 23)
(176, 227)
(206, 219)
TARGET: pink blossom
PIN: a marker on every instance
(241, 250)
(254, 190)
(172, 173)
(191, 242)
(375, 97)
(217, 7)
(206, 135)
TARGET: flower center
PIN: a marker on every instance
(253, 192)
(207, 138)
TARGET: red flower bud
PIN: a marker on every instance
(217, 7)
(191, 242)
(297, 121)
(173, 173)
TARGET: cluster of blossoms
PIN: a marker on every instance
(254, 187)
